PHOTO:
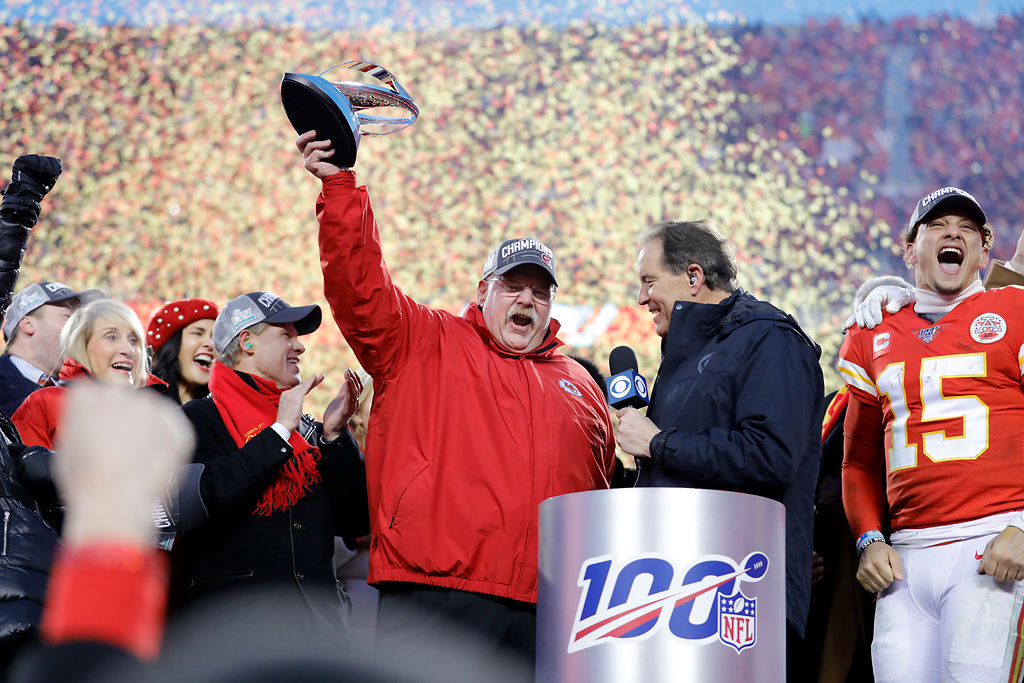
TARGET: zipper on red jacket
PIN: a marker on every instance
(398, 503)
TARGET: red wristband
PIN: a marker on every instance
(109, 593)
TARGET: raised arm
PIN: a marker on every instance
(381, 324)
(32, 177)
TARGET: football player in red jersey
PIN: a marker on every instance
(933, 439)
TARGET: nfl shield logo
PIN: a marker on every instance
(737, 620)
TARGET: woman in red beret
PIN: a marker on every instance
(179, 335)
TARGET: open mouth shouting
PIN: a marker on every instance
(203, 361)
(522, 317)
(951, 259)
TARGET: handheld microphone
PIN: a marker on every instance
(626, 386)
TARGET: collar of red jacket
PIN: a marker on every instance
(72, 370)
(546, 348)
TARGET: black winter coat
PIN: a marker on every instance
(739, 398)
(26, 550)
(28, 543)
(238, 549)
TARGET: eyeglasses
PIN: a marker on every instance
(514, 289)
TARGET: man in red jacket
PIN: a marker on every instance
(475, 420)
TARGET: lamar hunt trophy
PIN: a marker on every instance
(330, 108)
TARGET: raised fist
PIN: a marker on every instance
(35, 169)
(33, 176)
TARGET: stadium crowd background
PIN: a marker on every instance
(806, 142)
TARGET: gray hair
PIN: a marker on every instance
(686, 242)
(234, 348)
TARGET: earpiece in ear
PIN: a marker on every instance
(693, 279)
(248, 345)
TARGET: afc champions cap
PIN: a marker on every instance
(261, 307)
(947, 199)
(40, 294)
(518, 252)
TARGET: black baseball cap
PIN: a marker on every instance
(947, 199)
(517, 252)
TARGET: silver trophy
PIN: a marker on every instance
(332, 108)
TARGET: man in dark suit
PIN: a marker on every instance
(32, 330)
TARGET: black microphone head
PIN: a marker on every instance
(621, 359)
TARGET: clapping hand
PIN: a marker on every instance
(344, 405)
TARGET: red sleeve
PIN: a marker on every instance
(864, 466)
(111, 594)
(835, 411)
(37, 417)
(378, 320)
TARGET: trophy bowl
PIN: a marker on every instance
(333, 109)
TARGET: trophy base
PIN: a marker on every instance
(313, 103)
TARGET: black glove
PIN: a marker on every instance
(33, 176)
(35, 473)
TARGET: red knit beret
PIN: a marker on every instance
(175, 315)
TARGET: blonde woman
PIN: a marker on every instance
(103, 340)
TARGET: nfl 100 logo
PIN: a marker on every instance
(705, 606)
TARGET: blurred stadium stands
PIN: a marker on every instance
(807, 143)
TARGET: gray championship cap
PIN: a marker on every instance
(261, 307)
(947, 199)
(518, 252)
(40, 294)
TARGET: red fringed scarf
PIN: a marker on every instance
(246, 412)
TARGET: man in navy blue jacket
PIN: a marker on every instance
(739, 397)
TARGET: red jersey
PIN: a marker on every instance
(949, 396)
